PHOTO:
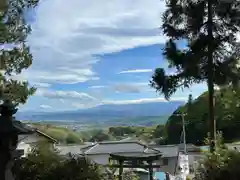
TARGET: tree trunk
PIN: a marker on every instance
(210, 82)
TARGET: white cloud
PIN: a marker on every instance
(144, 100)
(130, 87)
(96, 87)
(74, 95)
(136, 71)
(41, 85)
(84, 105)
(67, 34)
(44, 106)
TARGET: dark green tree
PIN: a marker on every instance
(211, 55)
(45, 164)
(227, 115)
(14, 53)
(190, 100)
(219, 165)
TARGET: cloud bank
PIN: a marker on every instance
(66, 35)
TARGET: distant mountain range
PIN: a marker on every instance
(106, 113)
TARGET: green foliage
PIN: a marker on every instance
(127, 175)
(100, 136)
(159, 131)
(122, 130)
(62, 135)
(227, 117)
(211, 55)
(145, 134)
(221, 165)
(141, 121)
(46, 164)
(14, 53)
(204, 33)
(130, 175)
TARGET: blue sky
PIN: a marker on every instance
(88, 53)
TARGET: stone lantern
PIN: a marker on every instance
(9, 131)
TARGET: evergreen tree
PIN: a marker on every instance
(14, 53)
(190, 100)
(212, 52)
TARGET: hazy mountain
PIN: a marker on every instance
(106, 112)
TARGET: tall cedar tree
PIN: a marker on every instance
(14, 53)
(212, 53)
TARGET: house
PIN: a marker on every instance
(27, 142)
(65, 150)
(100, 152)
(169, 161)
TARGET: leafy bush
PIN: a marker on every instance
(62, 135)
(48, 165)
(227, 117)
(223, 164)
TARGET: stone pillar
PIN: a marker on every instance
(150, 163)
(8, 140)
(120, 175)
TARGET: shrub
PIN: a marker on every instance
(48, 165)
(223, 164)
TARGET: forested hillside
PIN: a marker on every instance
(227, 118)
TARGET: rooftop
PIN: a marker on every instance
(167, 150)
(47, 136)
(73, 149)
(118, 147)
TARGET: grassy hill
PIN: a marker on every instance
(141, 127)
(63, 135)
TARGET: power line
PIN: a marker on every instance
(182, 115)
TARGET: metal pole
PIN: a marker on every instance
(184, 133)
(184, 130)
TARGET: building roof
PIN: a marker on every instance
(23, 128)
(118, 147)
(167, 150)
(46, 136)
(28, 129)
(139, 156)
(70, 149)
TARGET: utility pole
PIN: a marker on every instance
(182, 115)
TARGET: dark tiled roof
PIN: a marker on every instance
(46, 136)
(118, 147)
(167, 150)
(139, 156)
(23, 128)
(15, 127)
(73, 149)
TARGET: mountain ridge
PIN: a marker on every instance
(106, 112)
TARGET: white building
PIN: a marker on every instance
(29, 141)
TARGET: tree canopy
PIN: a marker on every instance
(189, 22)
(219, 165)
(227, 117)
(209, 28)
(14, 53)
(45, 164)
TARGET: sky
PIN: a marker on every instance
(88, 53)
